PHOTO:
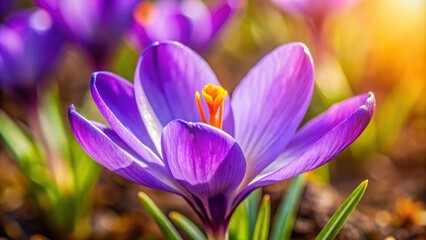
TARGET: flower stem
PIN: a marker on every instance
(218, 236)
(218, 233)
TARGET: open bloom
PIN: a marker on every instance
(190, 22)
(213, 149)
(29, 47)
(96, 25)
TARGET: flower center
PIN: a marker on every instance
(214, 96)
(144, 13)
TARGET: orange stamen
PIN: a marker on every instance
(215, 99)
(221, 114)
(144, 12)
(200, 107)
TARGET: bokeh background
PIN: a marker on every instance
(372, 45)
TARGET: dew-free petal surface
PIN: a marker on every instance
(205, 160)
(114, 97)
(323, 138)
(106, 147)
(270, 102)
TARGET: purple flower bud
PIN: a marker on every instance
(97, 26)
(190, 22)
(29, 48)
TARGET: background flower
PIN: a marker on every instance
(29, 48)
(314, 10)
(190, 22)
(7, 6)
(97, 26)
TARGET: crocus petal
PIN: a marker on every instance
(317, 142)
(167, 77)
(221, 13)
(160, 21)
(206, 161)
(270, 102)
(321, 139)
(200, 19)
(105, 147)
(115, 99)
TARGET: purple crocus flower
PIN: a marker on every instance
(96, 25)
(160, 136)
(190, 22)
(29, 47)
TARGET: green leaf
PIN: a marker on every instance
(284, 220)
(261, 230)
(30, 157)
(239, 227)
(125, 61)
(187, 226)
(163, 222)
(252, 204)
(333, 226)
(52, 123)
(26, 151)
(22, 147)
(84, 167)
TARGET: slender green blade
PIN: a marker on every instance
(187, 226)
(51, 118)
(261, 230)
(284, 220)
(84, 167)
(239, 227)
(26, 151)
(85, 172)
(333, 226)
(30, 157)
(163, 222)
(18, 142)
(252, 203)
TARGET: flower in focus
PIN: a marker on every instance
(96, 25)
(29, 47)
(314, 10)
(190, 22)
(177, 130)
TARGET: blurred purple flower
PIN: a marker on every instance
(96, 25)
(314, 10)
(6, 7)
(29, 47)
(190, 22)
(157, 138)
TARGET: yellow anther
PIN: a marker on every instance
(214, 96)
